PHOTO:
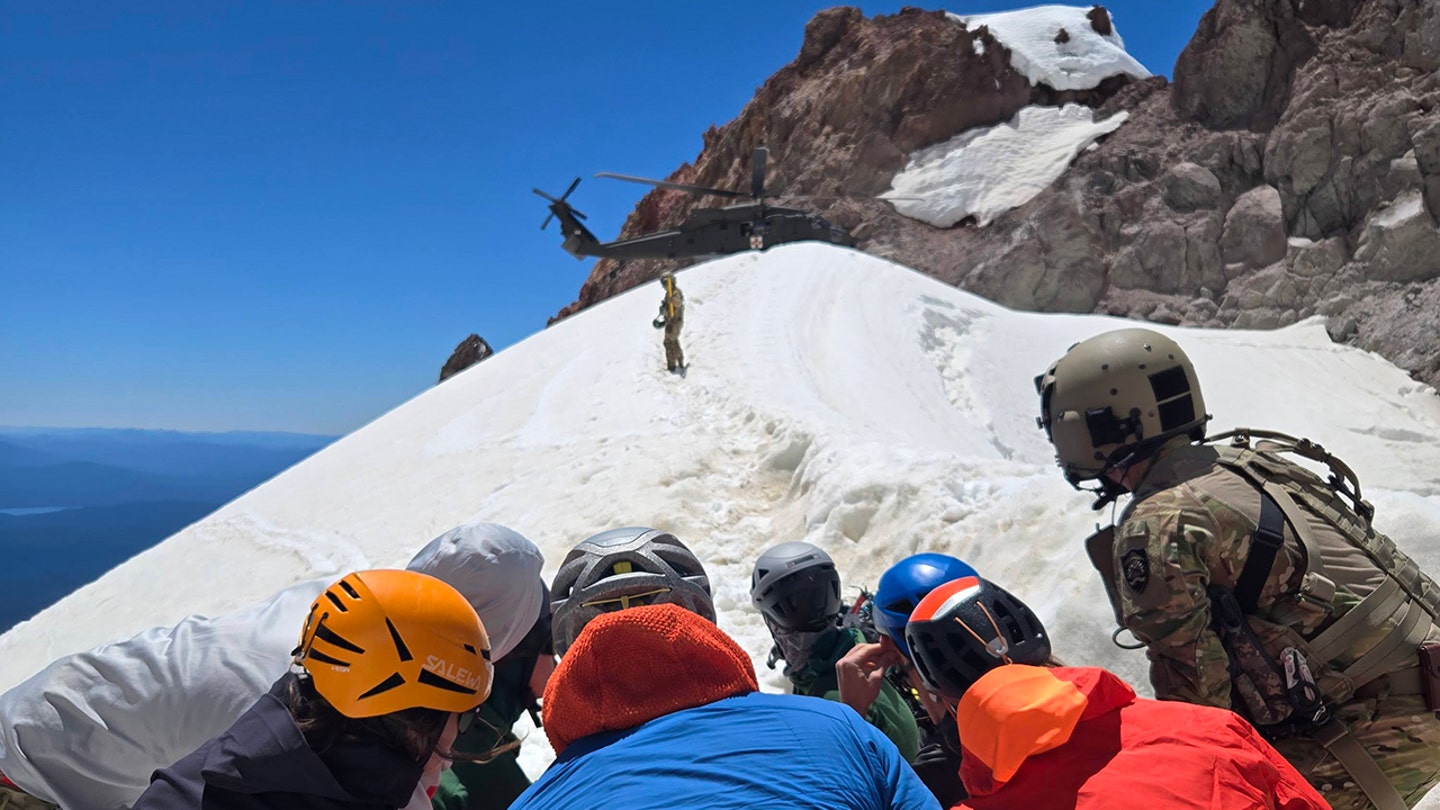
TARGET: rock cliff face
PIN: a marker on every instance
(841, 119)
(1291, 169)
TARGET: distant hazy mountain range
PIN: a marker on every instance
(76, 502)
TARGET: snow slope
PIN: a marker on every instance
(986, 171)
(1078, 60)
(832, 397)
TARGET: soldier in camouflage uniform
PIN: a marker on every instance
(672, 318)
(1124, 409)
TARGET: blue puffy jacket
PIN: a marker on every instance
(654, 707)
(750, 751)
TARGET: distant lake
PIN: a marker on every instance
(48, 552)
(78, 502)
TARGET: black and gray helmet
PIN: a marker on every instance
(625, 568)
(967, 627)
(796, 587)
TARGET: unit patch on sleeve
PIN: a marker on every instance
(1135, 567)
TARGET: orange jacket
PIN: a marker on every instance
(1080, 738)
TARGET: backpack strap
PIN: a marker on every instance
(1391, 605)
(1264, 544)
(1337, 739)
(1277, 508)
(1342, 479)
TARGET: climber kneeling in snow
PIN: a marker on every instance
(88, 730)
(900, 589)
(652, 705)
(391, 665)
(797, 590)
(1037, 735)
(520, 679)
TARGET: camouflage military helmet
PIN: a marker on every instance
(1116, 397)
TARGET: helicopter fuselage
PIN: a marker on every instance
(750, 225)
(717, 231)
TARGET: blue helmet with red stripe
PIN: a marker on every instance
(905, 583)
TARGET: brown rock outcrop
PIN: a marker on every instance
(841, 119)
(1291, 170)
(471, 350)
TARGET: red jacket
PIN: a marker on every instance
(1080, 738)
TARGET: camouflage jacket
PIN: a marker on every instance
(672, 307)
(1190, 525)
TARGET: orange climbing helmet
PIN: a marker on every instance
(382, 641)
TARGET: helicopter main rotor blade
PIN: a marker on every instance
(546, 223)
(757, 172)
(719, 192)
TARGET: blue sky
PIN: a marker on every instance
(284, 216)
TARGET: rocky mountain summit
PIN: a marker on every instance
(1291, 169)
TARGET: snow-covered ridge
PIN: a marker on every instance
(832, 397)
(987, 171)
(1078, 59)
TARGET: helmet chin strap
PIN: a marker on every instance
(1106, 492)
(1122, 459)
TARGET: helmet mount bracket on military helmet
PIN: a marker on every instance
(1112, 400)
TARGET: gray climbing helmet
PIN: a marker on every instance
(625, 568)
(796, 587)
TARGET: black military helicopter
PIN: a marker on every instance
(751, 225)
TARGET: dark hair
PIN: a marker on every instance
(414, 732)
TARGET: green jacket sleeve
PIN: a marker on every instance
(891, 717)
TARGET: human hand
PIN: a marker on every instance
(861, 673)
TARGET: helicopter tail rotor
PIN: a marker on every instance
(557, 202)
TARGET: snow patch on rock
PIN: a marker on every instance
(986, 172)
(1079, 59)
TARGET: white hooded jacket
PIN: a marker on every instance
(87, 731)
